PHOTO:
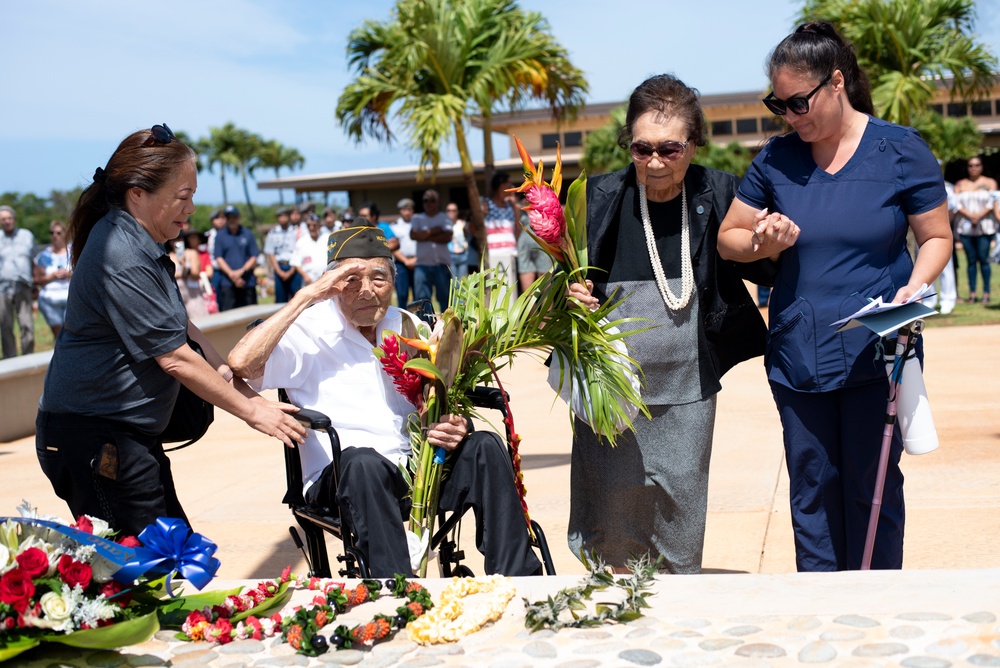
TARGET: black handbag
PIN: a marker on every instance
(191, 417)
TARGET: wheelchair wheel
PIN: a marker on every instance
(463, 571)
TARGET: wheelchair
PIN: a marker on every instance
(317, 521)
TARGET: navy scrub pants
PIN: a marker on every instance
(832, 444)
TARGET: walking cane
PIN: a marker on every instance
(905, 341)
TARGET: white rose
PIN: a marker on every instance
(101, 528)
(58, 611)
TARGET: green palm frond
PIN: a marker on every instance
(498, 326)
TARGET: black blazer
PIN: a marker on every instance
(730, 329)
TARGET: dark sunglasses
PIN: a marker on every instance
(798, 105)
(161, 134)
(667, 150)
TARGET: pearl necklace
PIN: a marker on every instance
(671, 301)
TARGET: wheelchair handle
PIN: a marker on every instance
(312, 419)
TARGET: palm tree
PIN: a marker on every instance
(528, 64)
(275, 155)
(433, 65)
(218, 150)
(907, 46)
(951, 139)
(245, 150)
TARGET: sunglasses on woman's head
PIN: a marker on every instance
(160, 134)
(667, 150)
(797, 105)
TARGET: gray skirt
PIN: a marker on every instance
(649, 494)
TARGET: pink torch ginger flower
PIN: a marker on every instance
(546, 214)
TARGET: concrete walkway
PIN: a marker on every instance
(232, 481)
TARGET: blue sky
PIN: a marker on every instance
(76, 77)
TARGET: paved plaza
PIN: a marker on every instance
(748, 609)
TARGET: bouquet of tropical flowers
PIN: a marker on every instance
(483, 328)
(80, 585)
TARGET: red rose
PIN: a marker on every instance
(83, 523)
(129, 541)
(112, 589)
(16, 589)
(34, 562)
(74, 572)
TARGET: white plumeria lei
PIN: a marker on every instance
(449, 620)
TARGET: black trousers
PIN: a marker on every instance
(231, 297)
(371, 494)
(106, 469)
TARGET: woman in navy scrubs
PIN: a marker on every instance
(832, 202)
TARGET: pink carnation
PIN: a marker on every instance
(546, 215)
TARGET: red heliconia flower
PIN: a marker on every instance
(406, 381)
(548, 221)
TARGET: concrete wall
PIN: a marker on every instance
(22, 378)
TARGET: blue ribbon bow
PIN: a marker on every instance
(170, 546)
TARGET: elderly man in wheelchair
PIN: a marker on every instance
(318, 347)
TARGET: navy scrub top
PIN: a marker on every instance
(852, 248)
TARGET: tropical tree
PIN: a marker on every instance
(217, 149)
(530, 65)
(436, 63)
(951, 139)
(275, 155)
(734, 157)
(196, 145)
(601, 152)
(237, 149)
(908, 46)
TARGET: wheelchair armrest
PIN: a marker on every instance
(312, 419)
(487, 397)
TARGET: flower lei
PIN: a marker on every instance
(450, 621)
(301, 629)
(550, 613)
(214, 624)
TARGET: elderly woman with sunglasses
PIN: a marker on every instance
(651, 235)
(123, 352)
(832, 203)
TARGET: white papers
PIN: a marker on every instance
(883, 318)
